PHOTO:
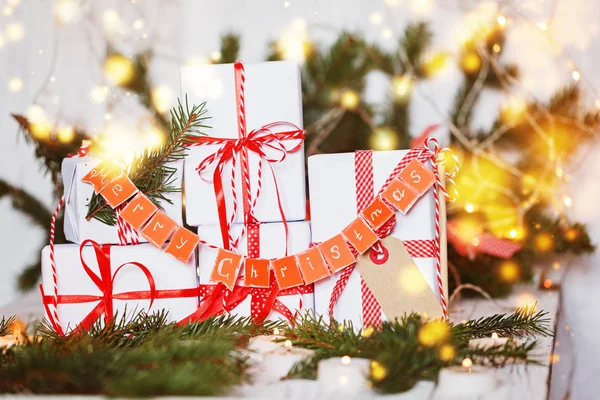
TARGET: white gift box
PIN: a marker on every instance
(78, 194)
(272, 93)
(168, 273)
(333, 206)
(272, 245)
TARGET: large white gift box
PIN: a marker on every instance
(333, 206)
(73, 280)
(272, 93)
(272, 245)
(78, 194)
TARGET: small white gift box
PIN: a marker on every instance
(78, 194)
(272, 245)
(333, 206)
(83, 293)
(272, 94)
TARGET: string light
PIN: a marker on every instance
(469, 208)
(15, 85)
(401, 87)
(378, 371)
(14, 3)
(118, 69)
(387, 33)
(514, 108)
(547, 283)
(154, 138)
(346, 360)
(15, 31)
(288, 344)
(8, 10)
(495, 336)
(41, 129)
(496, 48)
(139, 24)
(111, 21)
(276, 331)
(509, 271)
(215, 56)
(435, 63)
(467, 362)
(543, 26)
(367, 331)
(99, 94)
(475, 241)
(556, 265)
(384, 139)
(568, 201)
(471, 62)
(571, 234)
(433, 333)
(294, 43)
(3, 41)
(66, 134)
(576, 75)
(375, 18)
(162, 98)
(501, 20)
(349, 99)
(544, 241)
(447, 352)
(66, 11)
(597, 103)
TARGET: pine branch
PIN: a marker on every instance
(6, 325)
(523, 322)
(230, 48)
(150, 171)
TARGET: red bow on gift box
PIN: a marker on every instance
(104, 281)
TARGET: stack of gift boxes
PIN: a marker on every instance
(270, 223)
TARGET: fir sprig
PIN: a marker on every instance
(6, 324)
(150, 171)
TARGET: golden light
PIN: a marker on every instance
(139, 24)
(7, 10)
(378, 371)
(154, 139)
(469, 208)
(433, 333)
(384, 139)
(35, 114)
(41, 130)
(346, 360)
(349, 99)
(496, 48)
(367, 331)
(435, 63)
(65, 134)
(15, 85)
(495, 336)
(15, 31)
(119, 69)
(554, 358)
(412, 281)
(375, 18)
(501, 20)
(514, 109)
(543, 26)
(17, 327)
(471, 62)
(288, 344)
(527, 300)
(66, 11)
(401, 87)
(99, 94)
(111, 21)
(576, 75)
(509, 271)
(276, 331)
(14, 3)
(555, 265)
(559, 172)
(294, 44)
(2, 41)
(447, 352)
(528, 183)
(568, 201)
(467, 363)
(475, 241)
(597, 103)
(544, 242)
(162, 98)
(547, 283)
(571, 234)
(215, 56)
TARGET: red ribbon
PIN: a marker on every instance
(271, 147)
(104, 281)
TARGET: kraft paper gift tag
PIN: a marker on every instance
(397, 283)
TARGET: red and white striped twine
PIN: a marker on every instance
(52, 261)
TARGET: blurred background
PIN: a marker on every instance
(511, 86)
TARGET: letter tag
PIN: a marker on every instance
(138, 211)
(256, 272)
(286, 272)
(226, 268)
(182, 244)
(118, 190)
(377, 213)
(158, 230)
(360, 236)
(417, 176)
(312, 265)
(400, 195)
(337, 253)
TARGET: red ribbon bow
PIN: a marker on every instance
(271, 147)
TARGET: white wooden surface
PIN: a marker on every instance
(531, 383)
